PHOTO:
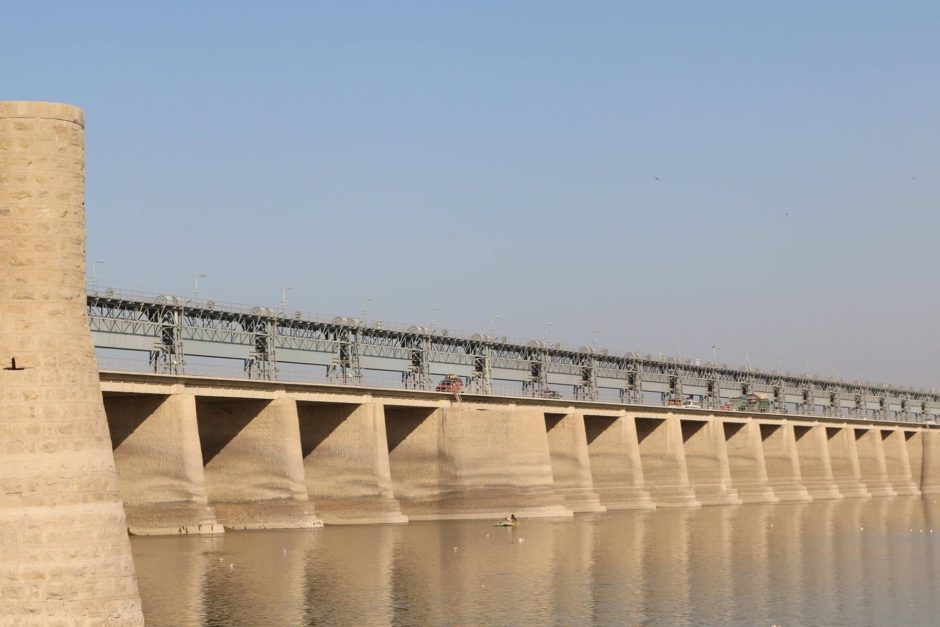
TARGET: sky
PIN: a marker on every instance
(759, 177)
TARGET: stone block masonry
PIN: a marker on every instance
(64, 553)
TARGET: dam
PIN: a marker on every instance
(198, 454)
(237, 417)
(160, 415)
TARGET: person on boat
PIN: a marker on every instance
(510, 519)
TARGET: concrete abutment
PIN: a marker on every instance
(159, 464)
(253, 463)
(782, 461)
(571, 462)
(664, 463)
(843, 455)
(471, 462)
(616, 468)
(346, 463)
(746, 462)
(812, 447)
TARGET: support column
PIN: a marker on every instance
(159, 464)
(615, 462)
(571, 464)
(930, 471)
(253, 463)
(782, 461)
(746, 462)
(471, 462)
(815, 464)
(345, 454)
(897, 461)
(64, 553)
(707, 461)
(664, 464)
(871, 461)
(843, 456)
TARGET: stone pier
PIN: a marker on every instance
(571, 463)
(706, 458)
(663, 459)
(64, 553)
(930, 461)
(471, 462)
(897, 461)
(615, 462)
(843, 456)
(871, 461)
(812, 446)
(345, 453)
(159, 464)
(253, 463)
(782, 462)
(746, 462)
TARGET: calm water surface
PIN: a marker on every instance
(852, 562)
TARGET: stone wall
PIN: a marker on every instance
(64, 552)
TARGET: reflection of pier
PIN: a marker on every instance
(850, 561)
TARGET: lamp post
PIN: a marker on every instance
(493, 320)
(196, 278)
(94, 273)
(284, 291)
(365, 303)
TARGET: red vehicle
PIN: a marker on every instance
(451, 383)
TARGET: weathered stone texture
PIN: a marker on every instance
(64, 552)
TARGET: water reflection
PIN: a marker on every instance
(857, 561)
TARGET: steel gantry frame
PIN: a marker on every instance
(171, 330)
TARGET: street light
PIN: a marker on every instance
(548, 328)
(431, 311)
(493, 320)
(94, 273)
(715, 348)
(284, 291)
(365, 302)
(196, 278)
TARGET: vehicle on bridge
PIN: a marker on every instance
(451, 383)
(748, 402)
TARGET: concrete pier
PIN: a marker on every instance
(345, 453)
(871, 462)
(897, 461)
(571, 463)
(843, 455)
(471, 462)
(706, 458)
(664, 464)
(64, 553)
(782, 462)
(615, 462)
(812, 446)
(159, 464)
(253, 463)
(930, 462)
(746, 462)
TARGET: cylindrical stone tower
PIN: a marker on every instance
(64, 552)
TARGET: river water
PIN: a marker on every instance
(852, 562)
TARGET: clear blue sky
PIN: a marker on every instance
(501, 158)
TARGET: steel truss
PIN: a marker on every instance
(171, 329)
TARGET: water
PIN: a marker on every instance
(851, 562)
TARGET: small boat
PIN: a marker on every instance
(504, 523)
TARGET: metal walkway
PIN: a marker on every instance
(267, 344)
